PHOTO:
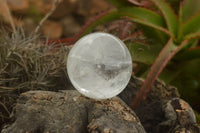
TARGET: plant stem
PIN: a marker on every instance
(55, 4)
(10, 16)
(163, 58)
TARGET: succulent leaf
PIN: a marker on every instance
(145, 17)
(120, 3)
(144, 14)
(154, 35)
(144, 53)
(192, 25)
(194, 35)
(189, 54)
(169, 15)
(163, 58)
(189, 8)
(101, 19)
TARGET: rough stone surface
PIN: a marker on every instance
(70, 112)
(180, 114)
(162, 111)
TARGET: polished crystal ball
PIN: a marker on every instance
(99, 65)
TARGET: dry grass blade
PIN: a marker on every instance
(3, 105)
(28, 64)
(9, 16)
(55, 4)
(28, 60)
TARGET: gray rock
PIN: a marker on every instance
(163, 111)
(179, 114)
(70, 112)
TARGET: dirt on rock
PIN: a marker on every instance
(68, 111)
(162, 111)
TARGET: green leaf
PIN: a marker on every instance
(181, 69)
(139, 15)
(169, 15)
(188, 81)
(154, 35)
(144, 14)
(141, 70)
(145, 17)
(175, 4)
(169, 75)
(188, 8)
(193, 35)
(143, 53)
(101, 19)
(188, 87)
(192, 25)
(185, 68)
(136, 14)
(119, 3)
(189, 54)
(163, 58)
(192, 67)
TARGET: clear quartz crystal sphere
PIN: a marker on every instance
(99, 65)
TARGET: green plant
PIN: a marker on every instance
(171, 46)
